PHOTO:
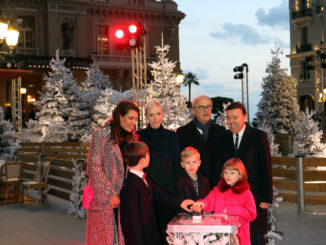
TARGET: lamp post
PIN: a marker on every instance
(240, 75)
(9, 33)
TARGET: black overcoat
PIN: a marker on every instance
(138, 214)
(164, 156)
(186, 189)
(189, 136)
(254, 151)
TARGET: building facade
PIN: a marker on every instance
(83, 32)
(308, 50)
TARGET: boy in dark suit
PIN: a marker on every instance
(191, 183)
(137, 197)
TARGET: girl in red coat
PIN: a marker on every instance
(232, 196)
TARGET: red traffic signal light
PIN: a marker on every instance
(119, 33)
(128, 35)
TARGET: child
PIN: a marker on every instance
(137, 197)
(190, 182)
(232, 196)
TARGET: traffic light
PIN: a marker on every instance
(128, 35)
(238, 69)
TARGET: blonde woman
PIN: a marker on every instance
(164, 152)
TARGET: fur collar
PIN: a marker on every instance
(238, 188)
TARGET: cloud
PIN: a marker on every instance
(246, 34)
(241, 32)
(200, 73)
(274, 17)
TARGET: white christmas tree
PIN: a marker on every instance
(307, 140)
(50, 115)
(272, 235)
(165, 89)
(274, 147)
(103, 107)
(79, 181)
(278, 108)
(8, 144)
(221, 119)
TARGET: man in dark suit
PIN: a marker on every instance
(201, 133)
(252, 147)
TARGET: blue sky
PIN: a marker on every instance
(215, 36)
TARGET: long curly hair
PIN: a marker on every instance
(117, 134)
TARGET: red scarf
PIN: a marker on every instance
(238, 188)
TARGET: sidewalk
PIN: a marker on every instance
(53, 226)
(40, 225)
(309, 228)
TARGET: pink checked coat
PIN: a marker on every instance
(235, 200)
(105, 170)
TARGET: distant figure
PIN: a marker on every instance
(67, 29)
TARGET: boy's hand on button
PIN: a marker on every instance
(186, 203)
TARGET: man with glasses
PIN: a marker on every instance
(201, 133)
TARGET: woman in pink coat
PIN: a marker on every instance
(232, 196)
(106, 174)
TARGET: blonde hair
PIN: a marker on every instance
(236, 164)
(188, 152)
(150, 104)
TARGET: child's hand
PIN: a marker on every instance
(186, 203)
(198, 206)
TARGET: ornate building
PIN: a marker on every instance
(307, 33)
(83, 32)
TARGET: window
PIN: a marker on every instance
(304, 72)
(102, 40)
(304, 36)
(26, 33)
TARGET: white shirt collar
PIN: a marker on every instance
(240, 135)
(140, 174)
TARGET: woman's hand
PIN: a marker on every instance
(115, 201)
(198, 206)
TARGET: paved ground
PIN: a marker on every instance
(53, 226)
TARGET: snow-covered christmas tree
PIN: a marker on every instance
(79, 181)
(50, 117)
(221, 119)
(167, 91)
(278, 108)
(307, 140)
(274, 147)
(8, 143)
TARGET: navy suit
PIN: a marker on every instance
(138, 216)
(254, 151)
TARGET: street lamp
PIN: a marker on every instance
(9, 34)
(179, 78)
(240, 75)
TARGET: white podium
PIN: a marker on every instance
(213, 229)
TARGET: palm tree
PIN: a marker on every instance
(190, 78)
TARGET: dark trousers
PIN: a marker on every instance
(257, 239)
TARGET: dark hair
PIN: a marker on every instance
(237, 105)
(134, 151)
(122, 108)
(236, 164)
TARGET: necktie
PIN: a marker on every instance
(236, 142)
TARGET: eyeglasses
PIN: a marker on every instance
(203, 108)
